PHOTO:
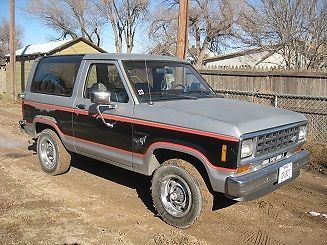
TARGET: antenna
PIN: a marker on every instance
(147, 78)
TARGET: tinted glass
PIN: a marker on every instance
(166, 81)
(56, 75)
(106, 76)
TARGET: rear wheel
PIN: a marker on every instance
(53, 156)
(179, 193)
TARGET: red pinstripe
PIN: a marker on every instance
(153, 145)
(135, 121)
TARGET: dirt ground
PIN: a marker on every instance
(95, 203)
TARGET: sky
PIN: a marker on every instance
(34, 32)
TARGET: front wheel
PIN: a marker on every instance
(179, 193)
(53, 156)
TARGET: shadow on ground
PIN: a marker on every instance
(32, 147)
(140, 183)
(220, 201)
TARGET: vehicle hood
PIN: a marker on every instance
(230, 117)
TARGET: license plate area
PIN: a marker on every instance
(285, 172)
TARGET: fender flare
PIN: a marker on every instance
(47, 121)
(179, 148)
(67, 140)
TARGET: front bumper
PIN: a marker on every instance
(263, 181)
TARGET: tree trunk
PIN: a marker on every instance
(200, 59)
(118, 36)
(202, 52)
(129, 38)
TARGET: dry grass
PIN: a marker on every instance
(318, 159)
(7, 103)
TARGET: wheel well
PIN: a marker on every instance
(163, 155)
(39, 127)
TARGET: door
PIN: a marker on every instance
(92, 136)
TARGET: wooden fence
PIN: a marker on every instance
(5, 83)
(309, 83)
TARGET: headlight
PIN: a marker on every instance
(303, 132)
(247, 148)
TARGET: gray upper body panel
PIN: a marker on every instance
(217, 115)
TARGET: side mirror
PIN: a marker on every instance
(100, 97)
(102, 100)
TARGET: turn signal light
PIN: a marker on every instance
(223, 153)
(243, 169)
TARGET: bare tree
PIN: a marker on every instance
(70, 17)
(132, 13)
(110, 11)
(162, 31)
(124, 17)
(296, 29)
(4, 37)
(210, 21)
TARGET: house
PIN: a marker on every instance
(25, 56)
(247, 58)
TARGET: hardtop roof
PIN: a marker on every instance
(118, 57)
(126, 56)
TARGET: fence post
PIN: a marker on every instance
(276, 100)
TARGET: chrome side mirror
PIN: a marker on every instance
(102, 100)
(100, 97)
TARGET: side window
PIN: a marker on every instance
(106, 75)
(56, 75)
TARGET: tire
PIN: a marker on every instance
(53, 156)
(180, 194)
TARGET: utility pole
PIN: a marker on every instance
(12, 48)
(182, 39)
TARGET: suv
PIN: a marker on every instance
(157, 116)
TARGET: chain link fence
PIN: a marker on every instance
(314, 108)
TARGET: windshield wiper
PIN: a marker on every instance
(204, 92)
(184, 96)
(197, 92)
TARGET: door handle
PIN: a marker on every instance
(81, 106)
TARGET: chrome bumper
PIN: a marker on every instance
(263, 181)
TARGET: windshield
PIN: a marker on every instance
(156, 81)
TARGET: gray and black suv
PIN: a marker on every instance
(157, 116)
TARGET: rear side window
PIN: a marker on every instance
(56, 75)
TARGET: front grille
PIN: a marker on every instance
(277, 140)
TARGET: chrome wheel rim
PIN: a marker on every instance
(176, 195)
(47, 153)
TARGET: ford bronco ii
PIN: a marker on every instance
(157, 116)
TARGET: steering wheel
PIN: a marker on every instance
(178, 85)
